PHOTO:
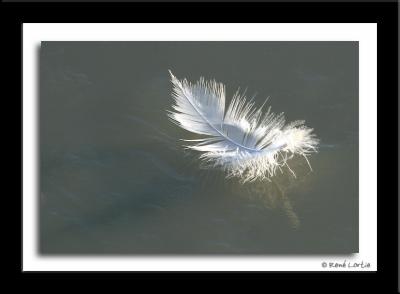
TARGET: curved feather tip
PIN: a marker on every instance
(241, 140)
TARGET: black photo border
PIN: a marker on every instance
(385, 14)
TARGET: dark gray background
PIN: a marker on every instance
(115, 180)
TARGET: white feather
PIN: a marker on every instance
(241, 140)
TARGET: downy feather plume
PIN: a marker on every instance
(241, 140)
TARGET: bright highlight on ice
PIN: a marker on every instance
(241, 140)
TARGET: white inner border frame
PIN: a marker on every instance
(364, 33)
